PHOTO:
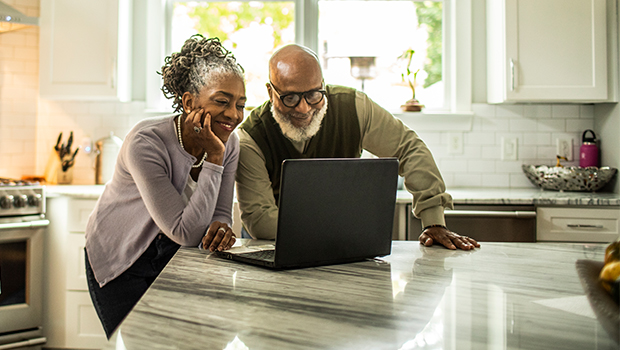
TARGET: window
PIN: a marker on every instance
(251, 30)
(359, 43)
(368, 45)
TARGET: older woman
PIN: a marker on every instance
(173, 182)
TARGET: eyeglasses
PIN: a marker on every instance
(291, 100)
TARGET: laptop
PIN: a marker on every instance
(331, 211)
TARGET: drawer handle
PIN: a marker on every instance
(584, 226)
(490, 213)
(24, 343)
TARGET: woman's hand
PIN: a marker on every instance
(198, 131)
(218, 237)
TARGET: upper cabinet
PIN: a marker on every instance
(85, 49)
(548, 51)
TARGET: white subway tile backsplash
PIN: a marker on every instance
(25, 52)
(494, 124)
(579, 125)
(537, 111)
(479, 138)
(453, 165)
(102, 108)
(509, 111)
(491, 152)
(551, 125)
(481, 166)
(508, 166)
(13, 39)
(32, 40)
(7, 52)
(519, 180)
(464, 179)
(483, 110)
(522, 124)
(495, 180)
(527, 151)
(586, 111)
(536, 138)
(565, 111)
(547, 154)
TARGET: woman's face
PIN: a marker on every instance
(224, 99)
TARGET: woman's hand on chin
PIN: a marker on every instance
(198, 125)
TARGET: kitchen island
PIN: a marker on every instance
(501, 296)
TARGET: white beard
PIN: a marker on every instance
(304, 133)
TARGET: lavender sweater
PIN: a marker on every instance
(144, 198)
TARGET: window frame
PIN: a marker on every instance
(457, 49)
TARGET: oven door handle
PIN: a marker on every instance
(24, 343)
(491, 213)
(27, 224)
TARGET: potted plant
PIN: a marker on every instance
(412, 105)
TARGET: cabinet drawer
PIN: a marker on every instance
(577, 224)
(76, 265)
(78, 214)
(83, 328)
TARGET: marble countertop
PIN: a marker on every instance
(497, 196)
(501, 296)
(523, 196)
(77, 191)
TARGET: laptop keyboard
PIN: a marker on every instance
(265, 255)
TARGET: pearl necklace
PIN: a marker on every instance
(204, 156)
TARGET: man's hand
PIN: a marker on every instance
(218, 237)
(447, 238)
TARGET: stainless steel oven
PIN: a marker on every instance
(22, 226)
(486, 223)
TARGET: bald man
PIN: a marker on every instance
(304, 118)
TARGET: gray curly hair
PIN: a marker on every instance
(200, 61)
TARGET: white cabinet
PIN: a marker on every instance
(70, 320)
(548, 51)
(85, 49)
(577, 224)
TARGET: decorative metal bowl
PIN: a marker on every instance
(570, 178)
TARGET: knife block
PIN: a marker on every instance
(52, 168)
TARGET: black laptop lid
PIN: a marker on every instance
(335, 210)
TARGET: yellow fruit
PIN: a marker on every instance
(611, 271)
(612, 252)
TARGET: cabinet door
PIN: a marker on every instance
(83, 328)
(82, 52)
(76, 264)
(547, 50)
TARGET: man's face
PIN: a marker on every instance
(291, 128)
(298, 108)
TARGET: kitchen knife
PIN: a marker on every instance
(62, 151)
(69, 143)
(66, 164)
(57, 148)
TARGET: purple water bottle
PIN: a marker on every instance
(588, 153)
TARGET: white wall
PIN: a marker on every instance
(607, 124)
(19, 90)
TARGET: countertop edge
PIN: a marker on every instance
(460, 196)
